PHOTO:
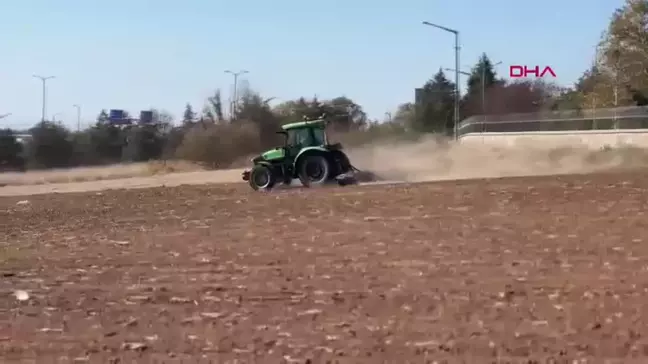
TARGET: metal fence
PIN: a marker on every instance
(634, 117)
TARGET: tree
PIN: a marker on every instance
(50, 146)
(405, 114)
(569, 99)
(299, 109)
(10, 151)
(435, 105)
(162, 118)
(253, 108)
(344, 114)
(143, 143)
(624, 52)
(106, 142)
(481, 79)
(519, 97)
(103, 116)
(189, 115)
(213, 109)
(597, 89)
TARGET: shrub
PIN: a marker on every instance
(219, 145)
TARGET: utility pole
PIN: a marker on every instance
(235, 94)
(483, 84)
(483, 87)
(595, 71)
(457, 85)
(44, 81)
(78, 109)
(457, 71)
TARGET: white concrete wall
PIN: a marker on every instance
(590, 138)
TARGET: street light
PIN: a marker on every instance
(454, 70)
(55, 115)
(457, 86)
(483, 84)
(78, 109)
(44, 80)
(235, 96)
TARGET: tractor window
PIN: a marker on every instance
(299, 137)
(320, 136)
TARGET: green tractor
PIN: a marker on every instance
(306, 155)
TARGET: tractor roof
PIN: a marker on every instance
(305, 124)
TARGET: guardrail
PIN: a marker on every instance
(571, 138)
(635, 117)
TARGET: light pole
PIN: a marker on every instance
(457, 86)
(44, 80)
(483, 83)
(454, 70)
(483, 86)
(235, 96)
(78, 109)
(595, 71)
(55, 115)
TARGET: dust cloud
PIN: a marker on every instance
(432, 160)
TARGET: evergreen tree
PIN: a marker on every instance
(189, 115)
(482, 78)
(435, 105)
(103, 116)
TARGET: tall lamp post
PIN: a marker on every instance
(235, 96)
(483, 84)
(457, 86)
(44, 81)
(483, 87)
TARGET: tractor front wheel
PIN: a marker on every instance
(261, 178)
(314, 170)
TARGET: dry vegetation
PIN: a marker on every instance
(392, 153)
(478, 270)
(208, 147)
(88, 174)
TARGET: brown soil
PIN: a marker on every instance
(472, 271)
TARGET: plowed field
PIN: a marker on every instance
(478, 271)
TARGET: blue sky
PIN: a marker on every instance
(139, 54)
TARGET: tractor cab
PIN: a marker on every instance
(305, 134)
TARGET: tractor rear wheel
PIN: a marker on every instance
(261, 178)
(314, 170)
